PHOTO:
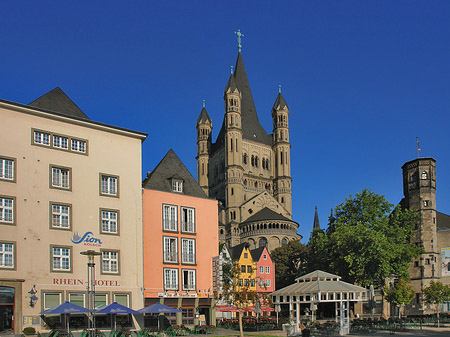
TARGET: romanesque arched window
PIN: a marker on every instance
(262, 242)
(284, 242)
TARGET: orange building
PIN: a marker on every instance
(180, 241)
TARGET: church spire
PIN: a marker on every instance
(316, 224)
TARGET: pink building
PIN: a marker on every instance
(180, 241)
(265, 270)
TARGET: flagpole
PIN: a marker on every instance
(418, 147)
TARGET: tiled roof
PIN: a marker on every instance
(266, 214)
(171, 167)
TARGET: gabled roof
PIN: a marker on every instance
(266, 214)
(256, 253)
(236, 251)
(280, 103)
(443, 221)
(171, 167)
(203, 117)
(57, 101)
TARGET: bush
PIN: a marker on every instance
(29, 330)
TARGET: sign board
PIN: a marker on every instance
(445, 261)
(31, 320)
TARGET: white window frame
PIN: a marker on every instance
(170, 218)
(188, 251)
(267, 270)
(77, 294)
(41, 138)
(77, 145)
(267, 282)
(191, 275)
(261, 269)
(110, 262)
(61, 256)
(7, 169)
(124, 295)
(170, 279)
(7, 214)
(60, 142)
(109, 185)
(60, 177)
(50, 293)
(187, 219)
(177, 185)
(109, 221)
(170, 249)
(261, 282)
(61, 215)
(7, 255)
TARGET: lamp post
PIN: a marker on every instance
(91, 254)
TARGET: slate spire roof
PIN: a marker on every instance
(231, 84)
(171, 167)
(203, 117)
(316, 224)
(57, 101)
(280, 102)
(251, 128)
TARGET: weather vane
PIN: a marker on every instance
(239, 34)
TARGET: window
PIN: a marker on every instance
(52, 300)
(170, 217)
(76, 298)
(188, 250)
(240, 282)
(261, 282)
(426, 203)
(267, 283)
(123, 299)
(60, 177)
(110, 262)
(100, 300)
(187, 220)
(284, 242)
(243, 269)
(60, 142)
(170, 279)
(252, 282)
(109, 221)
(261, 270)
(267, 270)
(7, 169)
(177, 185)
(246, 282)
(245, 255)
(187, 316)
(424, 175)
(170, 249)
(109, 185)
(262, 242)
(60, 215)
(6, 210)
(265, 256)
(7, 255)
(78, 145)
(61, 259)
(188, 279)
(249, 269)
(41, 138)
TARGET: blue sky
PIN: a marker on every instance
(362, 80)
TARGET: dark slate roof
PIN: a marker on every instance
(443, 221)
(236, 251)
(230, 85)
(204, 117)
(266, 214)
(251, 128)
(256, 253)
(316, 224)
(57, 101)
(280, 102)
(172, 167)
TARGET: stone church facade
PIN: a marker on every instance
(248, 170)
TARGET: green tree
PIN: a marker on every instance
(367, 240)
(436, 294)
(289, 261)
(317, 252)
(400, 294)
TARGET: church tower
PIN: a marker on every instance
(419, 189)
(282, 149)
(204, 128)
(248, 169)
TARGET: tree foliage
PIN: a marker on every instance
(289, 261)
(436, 293)
(401, 293)
(366, 240)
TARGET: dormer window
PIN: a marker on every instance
(177, 185)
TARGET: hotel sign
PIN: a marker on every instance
(87, 239)
(78, 282)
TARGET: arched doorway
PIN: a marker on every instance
(6, 309)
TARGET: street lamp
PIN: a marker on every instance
(91, 288)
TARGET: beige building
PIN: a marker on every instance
(248, 170)
(67, 185)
